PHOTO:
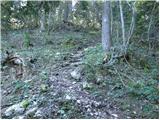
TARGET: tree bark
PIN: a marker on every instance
(106, 31)
(122, 22)
(132, 25)
(42, 20)
(67, 10)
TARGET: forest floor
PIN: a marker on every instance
(58, 83)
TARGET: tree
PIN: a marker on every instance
(42, 17)
(122, 23)
(67, 10)
(106, 31)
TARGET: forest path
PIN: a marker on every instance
(62, 82)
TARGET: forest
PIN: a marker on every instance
(79, 59)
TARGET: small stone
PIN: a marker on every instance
(34, 103)
(86, 85)
(96, 113)
(43, 88)
(31, 111)
(91, 114)
(68, 97)
(134, 112)
(114, 115)
(76, 63)
(9, 112)
(4, 92)
(128, 117)
(70, 87)
(78, 101)
(76, 74)
(88, 110)
(19, 110)
(27, 81)
(97, 104)
(74, 82)
(38, 114)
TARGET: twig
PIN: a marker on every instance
(133, 67)
(120, 77)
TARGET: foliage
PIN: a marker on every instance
(25, 103)
(26, 40)
(93, 61)
(68, 109)
(94, 56)
(148, 91)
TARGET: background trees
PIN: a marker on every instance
(127, 18)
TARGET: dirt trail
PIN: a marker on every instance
(61, 81)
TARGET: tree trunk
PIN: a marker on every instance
(60, 9)
(42, 20)
(49, 21)
(132, 24)
(106, 31)
(122, 22)
(67, 10)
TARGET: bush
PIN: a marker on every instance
(93, 62)
(148, 91)
(94, 56)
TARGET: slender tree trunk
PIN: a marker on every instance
(111, 18)
(42, 20)
(49, 21)
(132, 25)
(60, 12)
(67, 10)
(122, 22)
(106, 31)
(149, 27)
(95, 9)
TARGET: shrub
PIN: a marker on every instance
(94, 56)
(93, 61)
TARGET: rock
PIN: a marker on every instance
(38, 114)
(74, 82)
(96, 104)
(96, 113)
(14, 109)
(43, 88)
(78, 101)
(99, 79)
(35, 103)
(19, 110)
(9, 112)
(67, 97)
(76, 74)
(76, 63)
(115, 115)
(31, 111)
(27, 81)
(86, 85)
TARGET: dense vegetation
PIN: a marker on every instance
(79, 59)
